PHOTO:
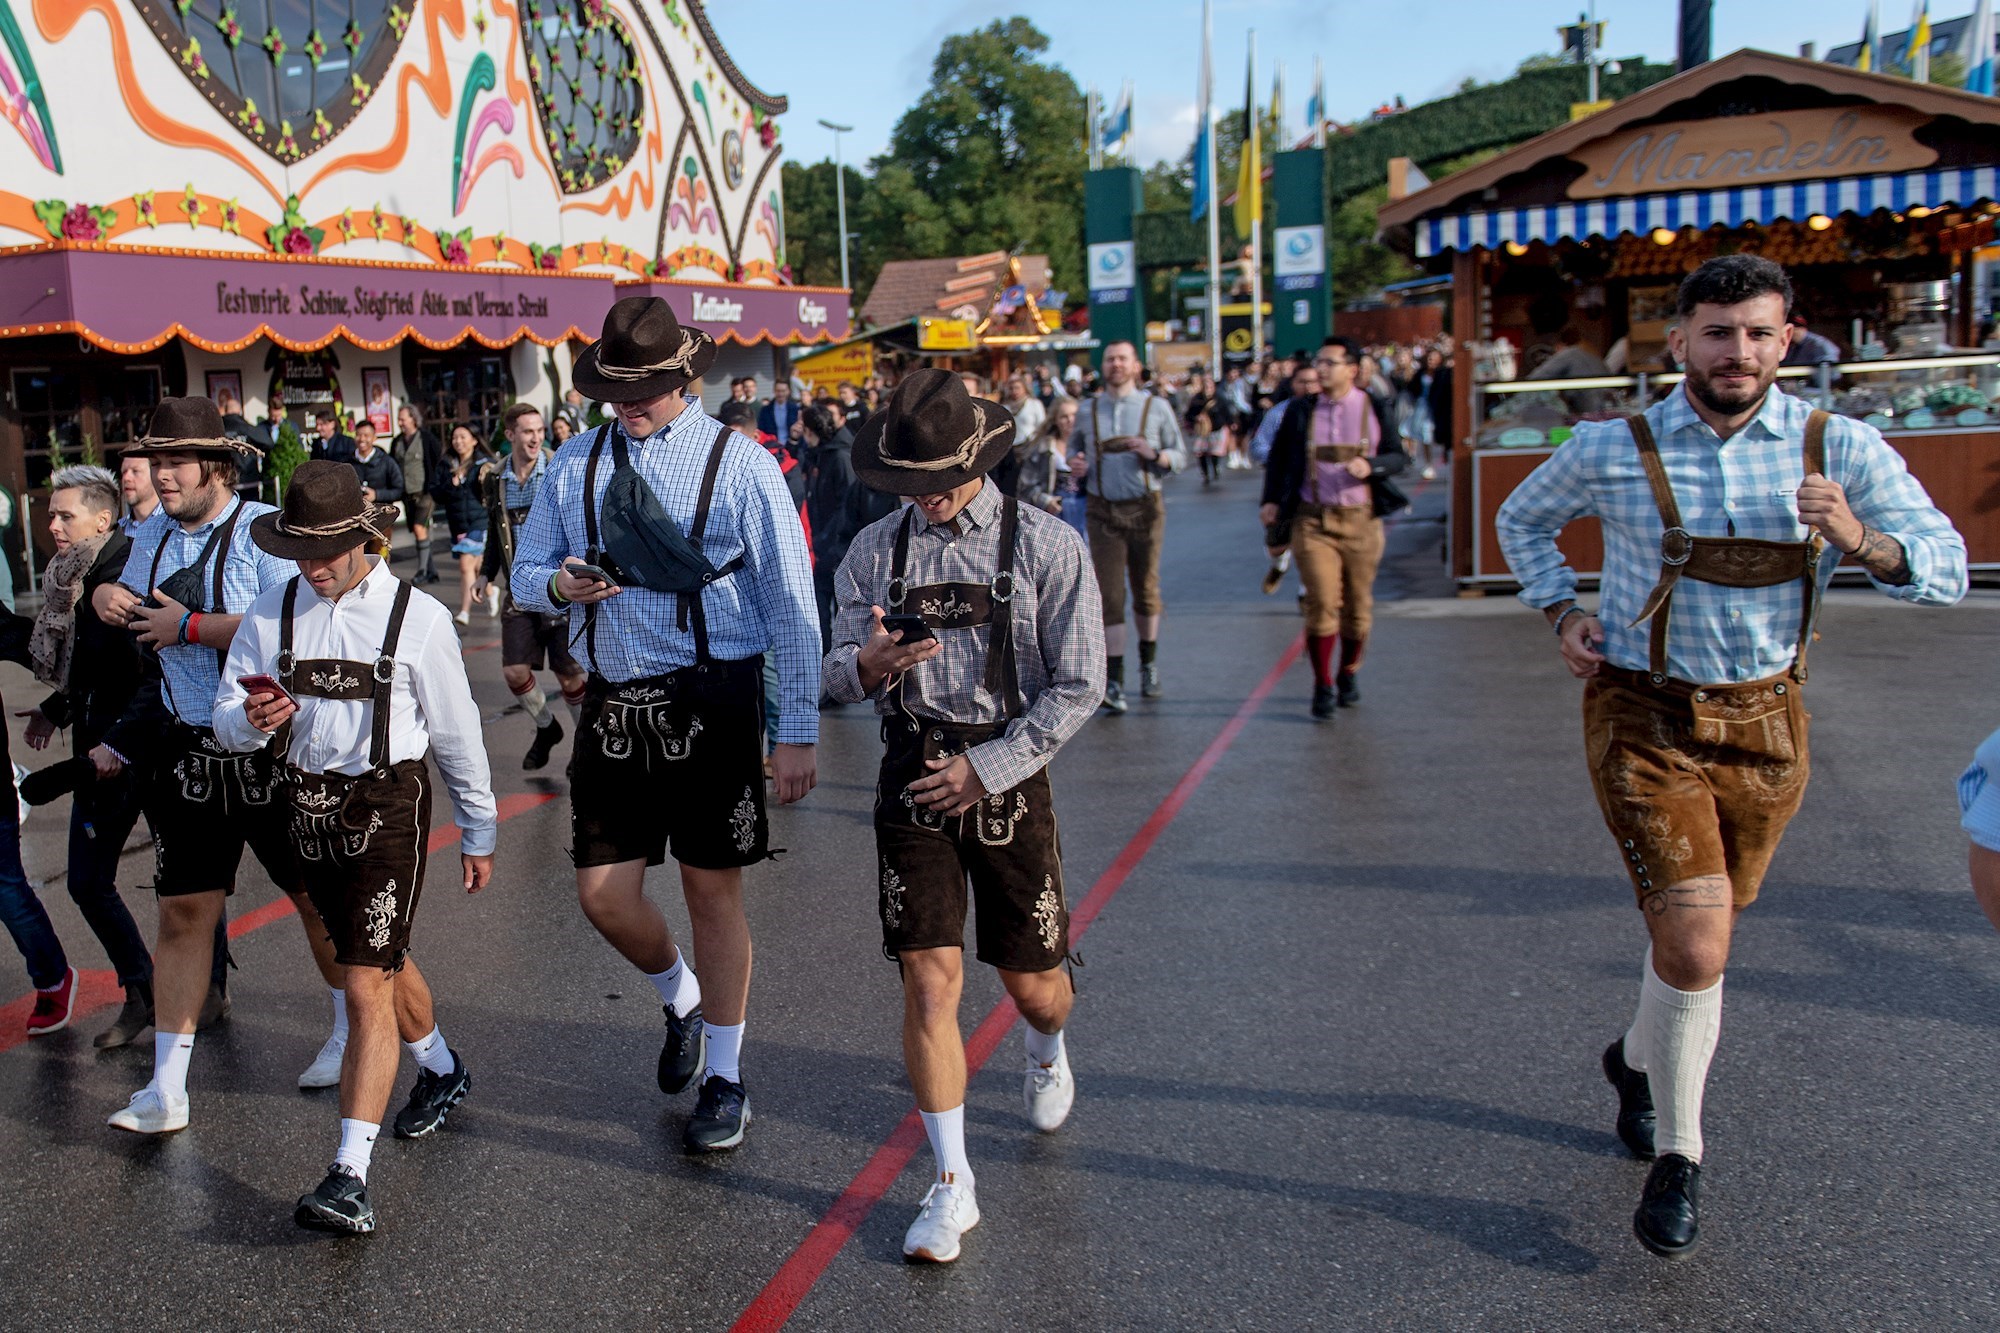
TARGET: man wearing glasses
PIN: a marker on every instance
(1327, 478)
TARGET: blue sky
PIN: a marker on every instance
(862, 62)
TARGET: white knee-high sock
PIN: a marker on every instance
(1635, 1036)
(1680, 1042)
(534, 703)
(339, 1014)
(946, 1130)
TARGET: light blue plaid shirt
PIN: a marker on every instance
(1745, 486)
(191, 672)
(768, 604)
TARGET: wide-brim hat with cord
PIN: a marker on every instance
(189, 426)
(324, 515)
(933, 437)
(644, 352)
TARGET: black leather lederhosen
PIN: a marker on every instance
(336, 813)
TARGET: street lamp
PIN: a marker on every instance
(840, 192)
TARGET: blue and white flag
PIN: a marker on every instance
(1204, 188)
(1117, 126)
(1979, 78)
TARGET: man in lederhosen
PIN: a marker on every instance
(677, 551)
(192, 572)
(527, 638)
(1327, 481)
(370, 678)
(972, 716)
(1725, 509)
(1126, 439)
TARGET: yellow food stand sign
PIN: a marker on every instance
(823, 371)
(944, 335)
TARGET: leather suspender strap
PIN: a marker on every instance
(1676, 544)
(217, 545)
(385, 683)
(1809, 599)
(591, 553)
(691, 608)
(899, 586)
(1003, 675)
(281, 739)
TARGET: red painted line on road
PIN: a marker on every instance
(789, 1286)
(100, 990)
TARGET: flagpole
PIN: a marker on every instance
(1319, 104)
(1090, 131)
(1214, 192)
(1256, 183)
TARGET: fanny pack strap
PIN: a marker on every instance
(590, 551)
(217, 546)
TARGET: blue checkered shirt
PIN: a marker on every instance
(517, 495)
(1745, 486)
(766, 605)
(190, 672)
(1057, 625)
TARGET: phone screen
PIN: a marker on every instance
(913, 628)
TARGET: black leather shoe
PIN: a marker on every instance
(1323, 702)
(1635, 1102)
(1349, 692)
(546, 737)
(685, 1052)
(1669, 1218)
(721, 1114)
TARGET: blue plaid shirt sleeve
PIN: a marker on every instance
(1883, 495)
(543, 544)
(1553, 495)
(778, 572)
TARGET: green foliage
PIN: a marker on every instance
(1532, 102)
(812, 225)
(91, 455)
(1359, 265)
(286, 454)
(1949, 69)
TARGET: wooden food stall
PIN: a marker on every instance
(1872, 191)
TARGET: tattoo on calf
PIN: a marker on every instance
(1883, 556)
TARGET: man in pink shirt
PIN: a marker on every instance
(1328, 476)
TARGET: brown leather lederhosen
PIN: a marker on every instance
(1731, 562)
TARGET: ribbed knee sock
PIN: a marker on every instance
(1642, 1017)
(534, 702)
(1680, 1042)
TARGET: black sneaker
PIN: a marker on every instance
(340, 1205)
(1149, 680)
(1114, 697)
(546, 737)
(432, 1099)
(1349, 693)
(1324, 700)
(685, 1052)
(721, 1114)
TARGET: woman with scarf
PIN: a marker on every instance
(94, 670)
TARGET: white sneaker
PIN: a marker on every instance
(949, 1211)
(462, 618)
(324, 1071)
(492, 603)
(1049, 1092)
(1429, 473)
(151, 1112)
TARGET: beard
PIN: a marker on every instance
(1729, 399)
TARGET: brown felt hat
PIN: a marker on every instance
(644, 352)
(324, 516)
(933, 437)
(189, 426)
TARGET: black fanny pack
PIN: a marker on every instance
(634, 540)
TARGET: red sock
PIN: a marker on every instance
(1320, 648)
(1350, 654)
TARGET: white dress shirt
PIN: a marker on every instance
(430, 710)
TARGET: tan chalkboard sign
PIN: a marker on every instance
(1734, 151)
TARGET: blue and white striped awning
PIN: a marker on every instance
(1640, 214)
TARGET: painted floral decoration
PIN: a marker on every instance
(322, 127)
(347, 224)
(191, 57)
(274, 42)
(292, 236)
(353, 37)
(226, 23)
(232, 217)
(545, 257)
(142, 205)
(250, 118)
(75, 222)
(192, 205)
(362, 89)
(288, 144)
(455, 247)
(315, 48)
(377, 220)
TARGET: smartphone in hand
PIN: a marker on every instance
(263, 684)
(914, 628)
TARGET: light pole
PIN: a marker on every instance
(840, 192)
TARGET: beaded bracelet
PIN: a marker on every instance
(183, 633)
(1563, 619)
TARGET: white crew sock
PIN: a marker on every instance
(1044, 1048)
(1284, 560)
(339, 1014)
(171, 1053)
(431, 1052)
(1635, 1036)
(947, 1135)
(725, 1051)
(357, 1145)
(535, 703)
(1680, 1041)
(677, 986)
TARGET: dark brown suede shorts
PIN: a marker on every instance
(1695, 780)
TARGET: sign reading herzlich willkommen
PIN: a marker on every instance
(1734, 151)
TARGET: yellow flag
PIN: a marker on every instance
(1250, 175)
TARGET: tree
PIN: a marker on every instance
(991, 157)
(812, 226)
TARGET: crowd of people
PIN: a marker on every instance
(962, 558)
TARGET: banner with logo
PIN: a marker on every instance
(1114, 272)
(823, 371)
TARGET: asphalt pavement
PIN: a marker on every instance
(1336, 1044)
